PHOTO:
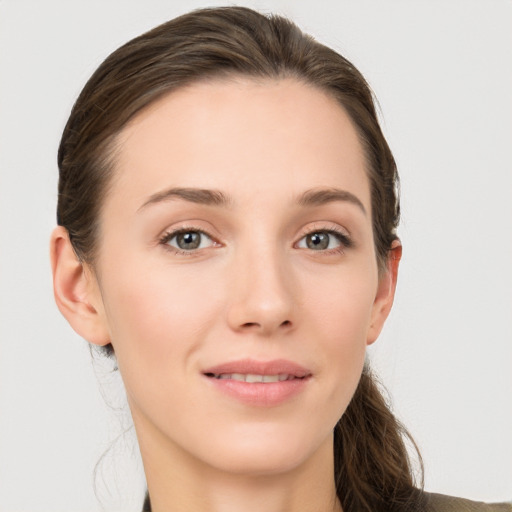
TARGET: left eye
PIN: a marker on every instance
(320, 241)
(189, 240)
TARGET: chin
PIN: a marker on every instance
(265, 451)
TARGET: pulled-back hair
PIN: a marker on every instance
(372, 469)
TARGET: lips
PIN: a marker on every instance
(258, 383)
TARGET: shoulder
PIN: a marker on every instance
(441, 503)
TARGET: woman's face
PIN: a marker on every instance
(236, 246)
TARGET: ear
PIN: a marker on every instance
(385, 292)
(76, 290)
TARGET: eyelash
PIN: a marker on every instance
(344, 240)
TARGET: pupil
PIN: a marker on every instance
(318, 241)
(189, 240)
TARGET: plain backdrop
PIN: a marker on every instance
(442, 71)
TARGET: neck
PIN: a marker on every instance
(178, 482)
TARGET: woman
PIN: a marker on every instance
(227, 231)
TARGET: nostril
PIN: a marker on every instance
(249, 325)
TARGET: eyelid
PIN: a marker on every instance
(324, 226)
(185, 225)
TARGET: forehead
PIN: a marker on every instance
(268, 136)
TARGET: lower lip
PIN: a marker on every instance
(263, 394)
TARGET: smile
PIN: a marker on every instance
(259, 383)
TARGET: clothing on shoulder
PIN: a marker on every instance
(442, 503)
(434, 503)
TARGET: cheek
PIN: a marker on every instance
(157, 318)
(341, 316)
(341, 303)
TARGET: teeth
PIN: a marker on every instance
(251, 377)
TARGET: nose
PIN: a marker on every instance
(262, 301)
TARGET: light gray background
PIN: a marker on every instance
(442, 71)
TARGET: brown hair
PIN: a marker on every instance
(372, 468)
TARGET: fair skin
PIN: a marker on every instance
(282, 268)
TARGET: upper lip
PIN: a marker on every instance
(251, 366)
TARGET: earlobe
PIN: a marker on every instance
(76, 290)
(385, 292)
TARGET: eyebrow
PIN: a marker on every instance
(321, 196)
(193, 195)
(313, 197)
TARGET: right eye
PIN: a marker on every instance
(187, 240)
